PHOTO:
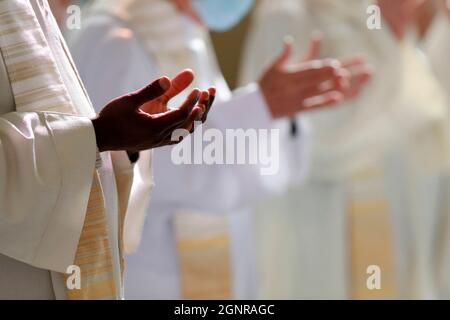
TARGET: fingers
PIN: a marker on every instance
(188, 125)
(314, 75)
(342, 80)
(360, 74)
(191, 101)
(203, 102)
(358, 81)
(194, 108)
(315, 44)
(179, 83)
(283, 58)
(180, 114)
(198, 113)
(212, 97)
(204, 98)
(316, 70)
(354, 62)
(322, 88)
(152, 91)
(329, 99)
(195, 115)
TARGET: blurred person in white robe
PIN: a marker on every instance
(187, 252)
(436, 45)
(373, 197)
(65, 173)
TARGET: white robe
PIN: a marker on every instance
(108, 49)
(436, 46)
(368, 131)
(46, 165)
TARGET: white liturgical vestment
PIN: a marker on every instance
(436, 46)
(47, 161)
(374, 193)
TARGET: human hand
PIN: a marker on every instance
(360, 75)
(123, 125)
(308, 85)
(358, 70)
(180, 83)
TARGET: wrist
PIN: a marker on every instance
(100, 134)
(269, 104)
(267, 94)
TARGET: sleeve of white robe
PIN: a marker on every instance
(47, 163)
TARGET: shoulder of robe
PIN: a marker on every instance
(6, 95)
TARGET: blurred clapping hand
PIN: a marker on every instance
(311, 83)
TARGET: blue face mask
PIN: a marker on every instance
(222, 15)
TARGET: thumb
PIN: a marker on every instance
(315, 44)
(283, 58)
(154, 90)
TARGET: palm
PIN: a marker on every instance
(155, 107)
(179, 84)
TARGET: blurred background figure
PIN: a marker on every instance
(63, 9)
(186, 251)
(436, 39)
(376, 191)
(436, 45)
(59, 10)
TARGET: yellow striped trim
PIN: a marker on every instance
(371, 240)
(204, 255)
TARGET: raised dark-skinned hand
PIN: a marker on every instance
(123, 125)
(180, 83)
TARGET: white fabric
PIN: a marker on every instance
(436, 46)
(41, 189)
(402, 106)
(107, 40)
(46, 166)
(335, 142)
